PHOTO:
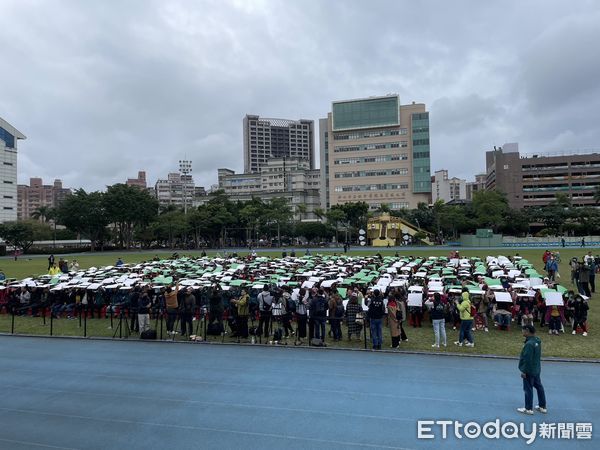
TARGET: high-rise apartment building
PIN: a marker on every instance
(476, 186)
(176, 190)
(9, 136)
(275, 138)
(447, 189)
(37, 194)
(535, 180)
(377, 151)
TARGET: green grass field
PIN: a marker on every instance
(420, 339)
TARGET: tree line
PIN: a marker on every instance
(129, 217)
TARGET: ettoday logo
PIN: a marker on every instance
(432, 429)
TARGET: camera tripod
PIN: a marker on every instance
(120, 326)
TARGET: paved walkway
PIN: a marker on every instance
(64, 393)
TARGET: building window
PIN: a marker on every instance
(8, 164)
(8, 207)
(8, 138)
(8, 182)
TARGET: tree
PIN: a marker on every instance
(515, 222)
(561, 199)
(85, 214)
(453, 220)
(18, 234)
(437, 210)
(128, 207)
(42, 213)
(319, 212)
(384, 208)
(252, 215)
(312, 231)
(279, 213)
(490, 208)
(301, 209)
(334, 216)
(170, 227)
(597, 194)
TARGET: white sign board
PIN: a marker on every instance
(415, 299)
(554, 299)
(503, 297)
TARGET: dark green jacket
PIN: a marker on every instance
(530, 361)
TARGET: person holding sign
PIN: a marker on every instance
(555, 312)
(530, 365)
(466, 320)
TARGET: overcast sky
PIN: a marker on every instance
(103, 89)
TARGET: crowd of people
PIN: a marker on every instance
(251, 299)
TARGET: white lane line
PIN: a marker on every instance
(206, 429)
(183, 365)
(351, 393)
(88, 375)
(203, 402)
(35, 444)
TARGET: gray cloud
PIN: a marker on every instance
(102, 92)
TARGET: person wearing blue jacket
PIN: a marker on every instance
(552, 268)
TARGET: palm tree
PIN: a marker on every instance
(301, 210)
(597, 194)
(42, 213)
(319, 212)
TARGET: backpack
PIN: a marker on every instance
(266, 306)
(320, 306)
(290, 306)
(339, 310)
(215, 329)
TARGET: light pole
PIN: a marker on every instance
(185, 169)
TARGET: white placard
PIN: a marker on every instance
(554, 299)
(503, 297)
(324, 284)
(415, 299)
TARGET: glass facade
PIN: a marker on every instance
(421, 160)
(8, 138)
(369, 113)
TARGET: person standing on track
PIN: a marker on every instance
(530, 365)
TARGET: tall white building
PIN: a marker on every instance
(447, 189)
(9, 136)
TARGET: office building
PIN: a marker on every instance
(377, 151)
(37, 194)
(292, 179)
(447, 189)
(275, 138)
(535, 180)
(9, 136)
